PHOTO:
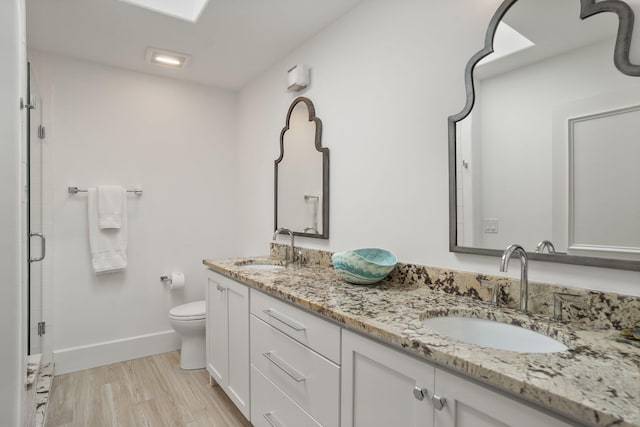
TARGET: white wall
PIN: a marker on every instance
(12, 303)
(176, 140)
(384, 80)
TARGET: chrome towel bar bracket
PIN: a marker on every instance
(76, 190)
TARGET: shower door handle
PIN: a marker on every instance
(43, 246)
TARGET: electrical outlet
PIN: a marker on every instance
(490, 225)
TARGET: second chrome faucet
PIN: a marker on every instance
(286, 231)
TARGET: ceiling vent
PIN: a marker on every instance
(188, 10)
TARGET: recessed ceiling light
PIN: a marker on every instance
(167, 58)
(189, 10)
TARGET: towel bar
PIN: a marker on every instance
(76, 190)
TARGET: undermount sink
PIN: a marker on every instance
(261, 265)
(493, 334)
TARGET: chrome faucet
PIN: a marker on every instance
(545, 244)
(524, 281)
(281, 231)
(313, 229)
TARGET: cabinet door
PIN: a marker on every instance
(471, 405)
(217, 330)
(381, 387)
(238, 345)
(228, 338)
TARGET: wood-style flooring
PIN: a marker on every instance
(150, 392)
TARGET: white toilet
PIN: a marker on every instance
(188, 320)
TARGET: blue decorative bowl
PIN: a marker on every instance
(364, 266)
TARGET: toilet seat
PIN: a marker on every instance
(189, 311)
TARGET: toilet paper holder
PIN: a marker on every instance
(173, 280)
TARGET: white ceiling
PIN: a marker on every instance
(232, 42)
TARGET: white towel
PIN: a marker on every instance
(108, 246)
(111, 202)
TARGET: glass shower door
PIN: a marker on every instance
(36, 249)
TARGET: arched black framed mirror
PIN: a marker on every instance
(302, 174)
(546, 144)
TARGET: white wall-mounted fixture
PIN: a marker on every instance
(188, 10)
(298, 78)
(167, 58)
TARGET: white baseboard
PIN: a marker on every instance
(105, 353)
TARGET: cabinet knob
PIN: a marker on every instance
(221, 288)
(438, 402)
(420, 393)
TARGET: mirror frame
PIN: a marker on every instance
(621, 60)
(325, 169)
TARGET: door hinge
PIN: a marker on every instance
(41, 132)
(23, 105)
(42, 328)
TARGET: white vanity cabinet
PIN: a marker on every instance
(383, 387)
(227, 338)
(283, 366)
(295, 370)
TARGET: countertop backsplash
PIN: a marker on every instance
(599, 310)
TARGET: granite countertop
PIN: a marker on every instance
(596, 381)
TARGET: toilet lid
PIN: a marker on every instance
(190, 310)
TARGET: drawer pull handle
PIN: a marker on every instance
(284, 319)
(284, 366)
(272, 420)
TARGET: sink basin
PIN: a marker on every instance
(261, 265)
(489, 333)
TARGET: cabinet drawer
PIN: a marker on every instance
(307, 378)
(304, 327)
(272, 408)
